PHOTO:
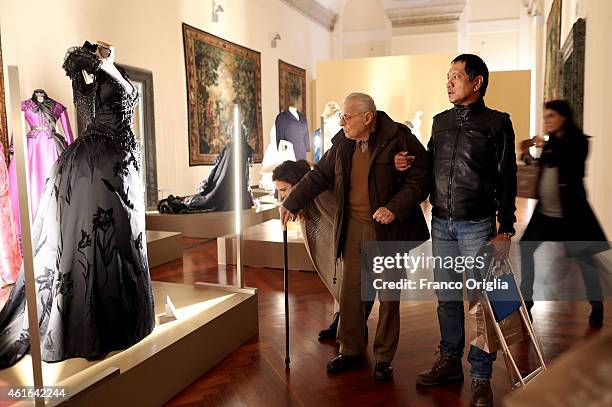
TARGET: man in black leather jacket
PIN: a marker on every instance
(474, 172)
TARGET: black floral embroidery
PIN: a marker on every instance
(85, 240)
(64, 284)
(45, 282)
(103, 219)
(138, 242)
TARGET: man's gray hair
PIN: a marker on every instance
(364, 101)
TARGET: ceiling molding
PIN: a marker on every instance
(429, 14)
(315, 11)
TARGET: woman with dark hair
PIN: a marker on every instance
(316, 221)
(563, 213)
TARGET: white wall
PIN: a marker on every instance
(434, 43)
(147, 34)
(499, 50)
(479, 10)
(364, 29)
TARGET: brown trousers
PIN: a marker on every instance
(351, 327)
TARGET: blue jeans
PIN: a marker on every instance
(457, 238)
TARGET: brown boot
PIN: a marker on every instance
(482, 395)
(445, 369)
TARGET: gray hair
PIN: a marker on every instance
(364, 101)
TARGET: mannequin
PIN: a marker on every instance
(44, 144)
(91, 273)
(416, 124)
(10, 259)
(331, 123)
(292, 126)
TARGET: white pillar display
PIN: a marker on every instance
(21, 159)
(238, 187)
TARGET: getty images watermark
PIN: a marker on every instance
(423, 271)
(412, 264)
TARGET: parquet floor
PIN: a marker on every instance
(255, 375)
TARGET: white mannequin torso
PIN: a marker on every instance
(293, 110)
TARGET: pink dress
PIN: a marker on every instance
(10, 259)
(45, 145)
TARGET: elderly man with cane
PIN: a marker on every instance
(375, 202)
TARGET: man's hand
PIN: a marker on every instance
(383, 216)
(285, 215)
(501, 247)
(403, 161)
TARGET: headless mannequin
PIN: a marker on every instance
(294, 111)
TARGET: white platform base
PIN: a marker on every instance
(213, 320)
(209, 224)
(163, 247)
(262, 246)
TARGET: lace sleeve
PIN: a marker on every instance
(77, 60)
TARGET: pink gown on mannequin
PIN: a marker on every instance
(10, 259)
(45, 145)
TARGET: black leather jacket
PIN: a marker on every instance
(474, 165)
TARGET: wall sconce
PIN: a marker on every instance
(275, 39)
(216, 9)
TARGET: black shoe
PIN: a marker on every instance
(446, 368)
(330, 333)
(383, 372)
(342, 363)
(597, 314)
(482, 395)
(529, 306)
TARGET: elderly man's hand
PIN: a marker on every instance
(383, 216)
(285, 215)
(403, 161)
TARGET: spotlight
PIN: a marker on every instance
(276, 38)
(216, 9)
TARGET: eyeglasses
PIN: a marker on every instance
(345, 116)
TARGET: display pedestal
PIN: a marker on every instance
(163, 247)
(262, 246)
(213, 321)
(208, 224)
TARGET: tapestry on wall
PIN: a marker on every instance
(291, 87)
(553, 42)
(3, 124)
(219, 75)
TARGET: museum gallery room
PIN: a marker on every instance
(305, 203)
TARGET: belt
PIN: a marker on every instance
(462, 213)
(34, 130)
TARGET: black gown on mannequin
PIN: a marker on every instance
(216, 192)
(90, 262)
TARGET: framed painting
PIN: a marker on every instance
(219, 75)
(291, 87)
(3, 124)
(552, 71)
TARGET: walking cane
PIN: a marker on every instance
(286, 275)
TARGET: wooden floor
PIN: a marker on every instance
(255, 374)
